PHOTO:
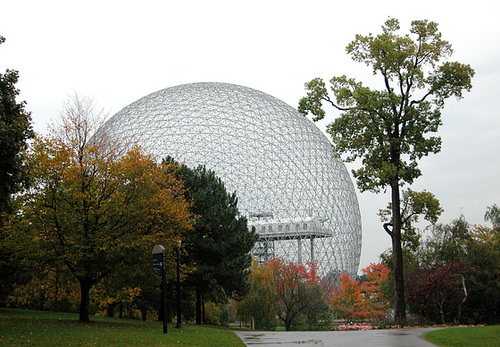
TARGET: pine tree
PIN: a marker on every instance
(219, 246)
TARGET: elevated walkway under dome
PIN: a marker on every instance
(272, 230)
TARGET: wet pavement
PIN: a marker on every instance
(388, 338)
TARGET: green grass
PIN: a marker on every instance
(39, 328)
(469, 336)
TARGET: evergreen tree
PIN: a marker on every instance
(219, 246)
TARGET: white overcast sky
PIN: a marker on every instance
(118, 51)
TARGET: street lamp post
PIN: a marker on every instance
(179, 324)
(159, 265)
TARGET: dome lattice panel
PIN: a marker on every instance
(297, 195)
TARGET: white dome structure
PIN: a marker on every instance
(292, 189)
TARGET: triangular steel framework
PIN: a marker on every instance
(292, 189)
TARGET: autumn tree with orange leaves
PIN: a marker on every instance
(347, 299)
(93, 208)
(376, 304)
(297, 289)
(355, 301)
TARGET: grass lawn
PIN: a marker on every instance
(39, 328)
(469, 336)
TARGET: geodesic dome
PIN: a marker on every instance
(297, 195)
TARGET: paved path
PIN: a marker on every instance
(386, 338)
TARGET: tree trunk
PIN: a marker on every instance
(198, 306)
(203, 317)
(56, 292)
(463, 301)
(110, 310)
(85, 285)
(288, 325)
(397, 254)
(441, 311)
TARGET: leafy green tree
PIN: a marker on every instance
(413, 206)
(220, 244)
(448, 242)
(49, 288)
(457, 274)
(483, 252)
(493, 215)
(258, 305)
(15, 131)
(132, 288)
(391, 129)
(438, 283)
(93, 207)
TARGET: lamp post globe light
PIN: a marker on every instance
(297, 195)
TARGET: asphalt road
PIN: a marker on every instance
(387, 338)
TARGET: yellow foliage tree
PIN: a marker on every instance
(259, 306)
(93, 207)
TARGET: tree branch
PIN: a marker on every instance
(404, 220)
(387, 230)
(327, 99)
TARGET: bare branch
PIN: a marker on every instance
(387, 230)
